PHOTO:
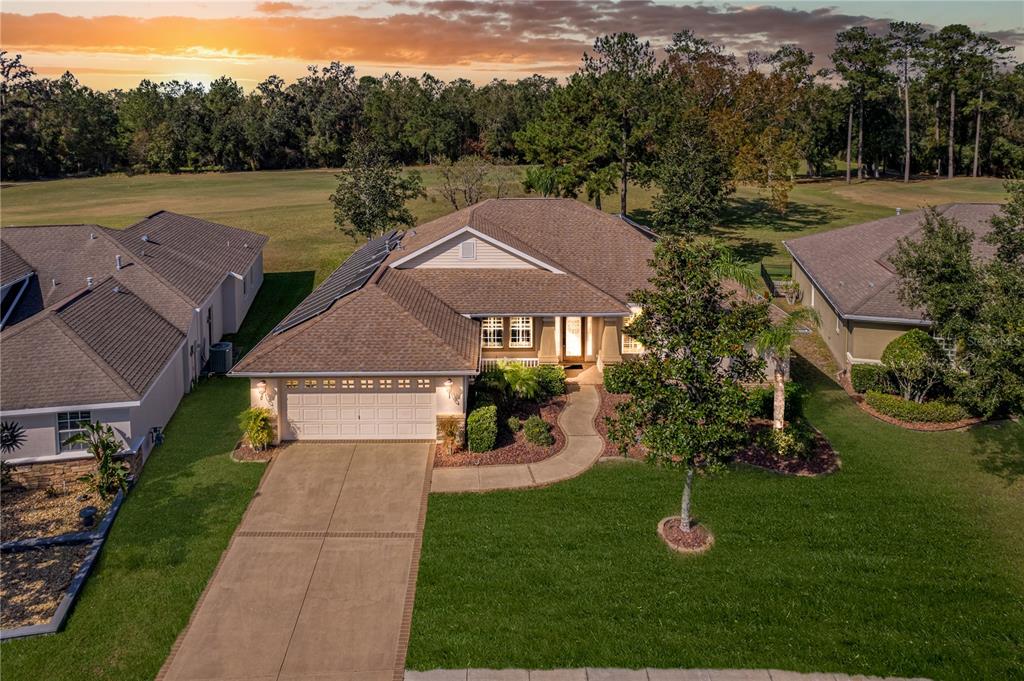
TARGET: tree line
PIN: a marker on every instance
(695, 118)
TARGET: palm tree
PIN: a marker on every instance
(104, 445)
(775, 343)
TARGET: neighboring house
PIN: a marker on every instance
(114, 325)
(390, 340)
(846, 275)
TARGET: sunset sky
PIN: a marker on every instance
(116, 44)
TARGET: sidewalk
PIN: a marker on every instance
(583, 447)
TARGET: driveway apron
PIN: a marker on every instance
(318, 580)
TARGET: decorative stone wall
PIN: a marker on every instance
(56, 473)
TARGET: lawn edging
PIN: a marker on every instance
(95, 538)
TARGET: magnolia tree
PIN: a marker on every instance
(689, 406)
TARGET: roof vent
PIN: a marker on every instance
(145, 237)
(88, 282)
(117, 289)
(117, 262)
(899, 211)
(53, 282)
(92, 236)
(143, 252)
(412, 232)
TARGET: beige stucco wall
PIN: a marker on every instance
(868, 341)
(833, 330)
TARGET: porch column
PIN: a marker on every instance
(610, 347)
(547, 347)
(558, 339)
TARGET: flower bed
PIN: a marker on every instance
(933, 426)
(605, 409)
(511, 448)
(43, 513)
(822, 459)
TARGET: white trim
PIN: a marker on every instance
(472, 315)
(21, 291)
(483, 237)
(80, 455)
(861, 360)
(71, 407)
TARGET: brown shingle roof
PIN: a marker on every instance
(369, 331)
(494, 291)
(602, 249)
(851, 265)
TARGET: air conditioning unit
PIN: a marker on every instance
(221, 357)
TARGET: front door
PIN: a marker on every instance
(574, 338)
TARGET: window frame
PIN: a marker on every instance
(630, 345)
(73, 428)
(527, 329)
(492, 325)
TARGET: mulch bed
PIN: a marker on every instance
(25, 514)
(696, 540)
(821, 462)
(511, 448)
(243, 452)
(34, 582)
(607, 409)
(927, 426)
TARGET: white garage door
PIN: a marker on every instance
(362, 414)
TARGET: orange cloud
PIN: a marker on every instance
(279, 7)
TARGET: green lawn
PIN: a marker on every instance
(292, 207)
(161, 551)
(909, 561)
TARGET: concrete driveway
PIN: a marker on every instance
(318, 580)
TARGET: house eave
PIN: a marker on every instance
(480, 235)
(329, 374)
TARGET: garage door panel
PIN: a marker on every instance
(362, 414)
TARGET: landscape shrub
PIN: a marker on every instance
(514, 424)
(450, 430)
(538, 431)
(551, 378)
(865, 377)
(762, 402)
(915, 362)
(257, 427)
(482, 428)
(615, 378)
(934, 411)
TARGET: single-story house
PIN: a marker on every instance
(846, 275)
(389, 343)
(113, 325)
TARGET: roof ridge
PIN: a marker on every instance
(423, 291)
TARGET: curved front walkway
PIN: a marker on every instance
(583, 447)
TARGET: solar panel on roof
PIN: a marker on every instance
(351, 276)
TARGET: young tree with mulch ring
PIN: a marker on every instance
(689, 404)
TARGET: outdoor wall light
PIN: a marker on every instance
(453, 394)
(263, 392)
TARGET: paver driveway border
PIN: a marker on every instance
(414, 538)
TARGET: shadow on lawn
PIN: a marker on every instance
(999, 449)
(280, 293)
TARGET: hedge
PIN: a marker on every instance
(615, 378)
(482, 428)
(538, 431)
(762, 402)
(865, 377)
(935, 411)
(551, 378)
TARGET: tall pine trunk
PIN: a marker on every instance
(906, 132)
(624, 183)
(977, 134)
(684, 511)
(860, 142)
(952, 118)
(849, 141)
(597, 201)
(779, 406)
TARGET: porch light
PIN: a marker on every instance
(261, 389)
(449, 385)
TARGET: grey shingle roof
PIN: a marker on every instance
(12, 266)
(68, 344)
(851, 265)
